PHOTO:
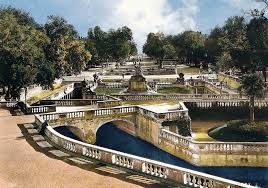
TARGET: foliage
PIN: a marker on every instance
(159, 47)
(187, 46)
(21, 48)
(66, 51)
(231, 82)
(32, 54)
(241, 131)
(169, 90)
(115, 45)
(183, 125)
(252, 85)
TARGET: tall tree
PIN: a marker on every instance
(253, 86)
(21, 48)
(159, 47)
(192, 45)
(66, 51)
(115, 45)
(257, 34)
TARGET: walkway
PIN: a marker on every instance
(21, 165)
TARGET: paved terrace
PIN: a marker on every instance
(27, 160)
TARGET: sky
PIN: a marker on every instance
(142, 16)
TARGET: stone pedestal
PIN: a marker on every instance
(137, 84)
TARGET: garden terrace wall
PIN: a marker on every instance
(216, 153)
(71, 102)
(146, 166)
(8, 104)
(226, 109)
(181, 97)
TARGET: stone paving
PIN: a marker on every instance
(31, 161)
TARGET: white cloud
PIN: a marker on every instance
(144, 16)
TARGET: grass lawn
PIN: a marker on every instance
(111, 80)
(241, 131)
(108, 91)
(174, 90)
(45, 93)
(201, 135)
(232, 83)
(188, 70)
(200, 129)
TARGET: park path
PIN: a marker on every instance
(22, 166)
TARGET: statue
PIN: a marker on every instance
(180, 79)
(138, 70)
(95, 77)
(87, 93)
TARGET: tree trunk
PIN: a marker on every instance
(264, 74)
(160, 63)
(251, 108)
(25, 94)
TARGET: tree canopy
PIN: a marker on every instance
(115, 45)
(33, 54)
(187, 46)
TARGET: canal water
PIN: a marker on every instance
(111, 137)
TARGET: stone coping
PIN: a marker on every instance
(208, 142)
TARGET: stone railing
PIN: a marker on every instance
(167, 116)
(142, 165)
(40, 109)
(197, 147)
(89, 113)
(225, 103)
(113, 85)
(71, 102)
(8, 104)
(181, 97)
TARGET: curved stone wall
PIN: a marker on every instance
(139, 164)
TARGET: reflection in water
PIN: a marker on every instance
(111, 137)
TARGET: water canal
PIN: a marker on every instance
(111, 137)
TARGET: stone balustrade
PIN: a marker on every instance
(113, 85)
(40, 109)
(215, 147)
(200, 100)
(225, 103)
(142, 165)
(71, 102)
(180, 97)
(8, 104)
(94, 112)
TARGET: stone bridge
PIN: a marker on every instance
(149, 126)
(134, 120)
